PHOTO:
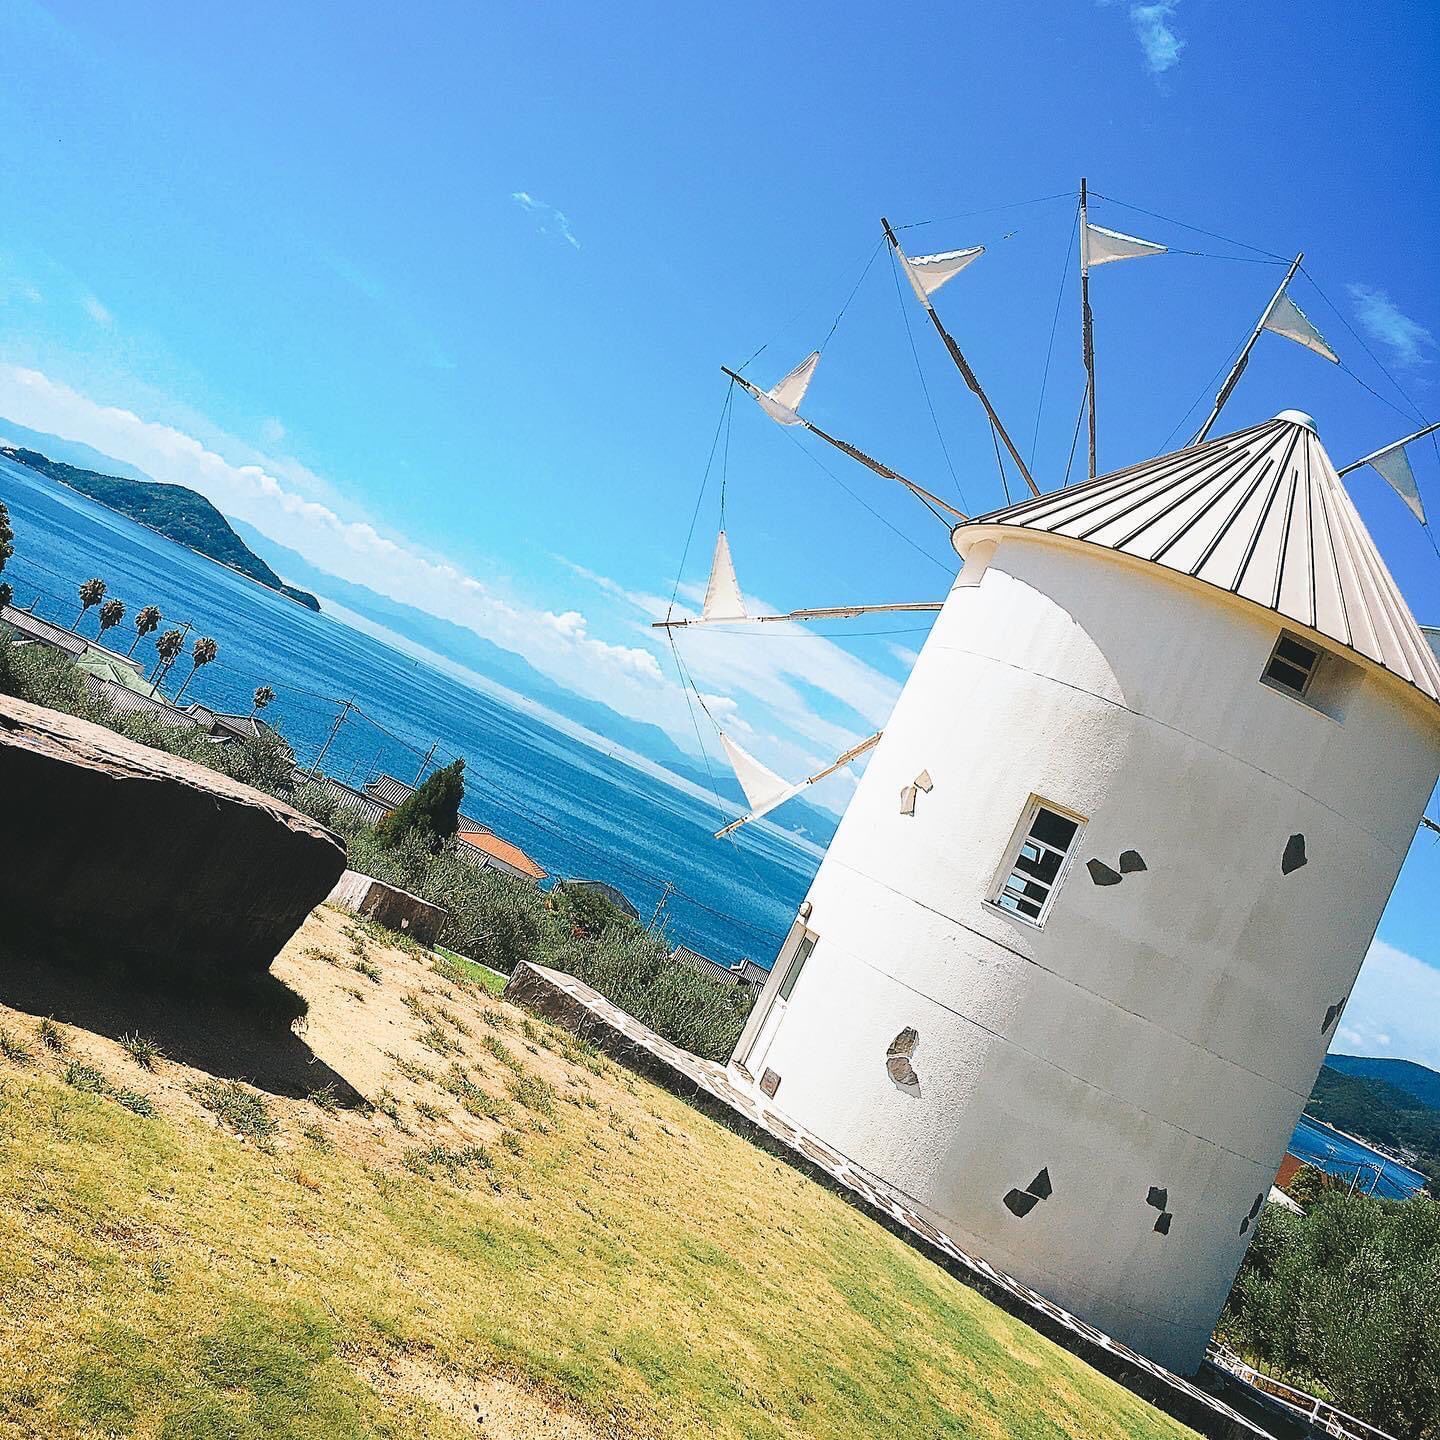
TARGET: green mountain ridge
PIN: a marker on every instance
(1378, 1112)
(180, 514)
(1417, 1080)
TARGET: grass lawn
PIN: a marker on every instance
(514, 1238)
(491, 980)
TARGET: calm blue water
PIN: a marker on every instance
(578, 808)
(1337, 1154)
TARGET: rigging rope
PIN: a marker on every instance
(1054, 324)
(989, 210)
(1075, 438)
(1170, 220)
(695, 515)
(1209, 385)
(855, 290)
(1004, 483)
(925, 389)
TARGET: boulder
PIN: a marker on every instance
(390, 906)
(110, 848)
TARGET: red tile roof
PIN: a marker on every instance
(502, 850)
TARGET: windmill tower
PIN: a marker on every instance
(1071, 964)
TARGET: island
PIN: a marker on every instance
(177, 513)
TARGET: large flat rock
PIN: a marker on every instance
(111, 848)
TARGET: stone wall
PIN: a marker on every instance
(113, 850)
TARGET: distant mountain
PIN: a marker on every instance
(72, 452)
(1380, 1113)
(179, 514)
(467, 648)
(1418, 1081)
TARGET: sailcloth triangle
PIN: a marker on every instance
(1394, 465)
(782, 401)
(1100, 246)
(1288, 319)
(763, 788)
(723, 600)
(927, 273)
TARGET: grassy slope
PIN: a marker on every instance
(621, 1263)
(1417, 1080)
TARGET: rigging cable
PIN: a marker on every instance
(1054, 324)
(925, 389)
(695, 515)
(1075, 438)
(989, 210)
(1170, 220)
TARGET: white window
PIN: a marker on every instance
(1037, 860)
(1292, 665)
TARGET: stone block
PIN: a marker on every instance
(390, 906)
(112, 849)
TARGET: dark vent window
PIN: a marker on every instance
(1292, 665)
(1036, 862)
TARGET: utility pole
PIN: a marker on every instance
(425, 763)
(345, 708)
(665, 895)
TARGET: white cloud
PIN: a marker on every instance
(772, 691)
(95, 310)
(1406, 339)
(1160, 44)
(1394, 1009)
(552, 220)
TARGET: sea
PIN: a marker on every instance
(581, 805)
(1350, 1159)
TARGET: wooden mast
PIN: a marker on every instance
(1240, 364)
(1087, 321)
(1385, 449)
(870, 463)
(828, 612)
(966, 372)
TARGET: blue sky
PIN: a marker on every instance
(437, 295)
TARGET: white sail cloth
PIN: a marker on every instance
(723, 600)
(1099, 246)
(763, 788)
(782, 401)
(927, 273)
(1394, 465)
(1286, 318)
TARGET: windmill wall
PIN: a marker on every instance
(1147, 1052)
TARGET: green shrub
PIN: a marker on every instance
(431, 814)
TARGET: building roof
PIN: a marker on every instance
(394, 793)
(1260, 514)
(503, 850)
(742, 972)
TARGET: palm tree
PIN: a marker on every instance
(147, 619)
(92, 592)
(204, 651)
(168, 648)
(112, 612)
(262, 697)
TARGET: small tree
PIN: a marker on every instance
(147, 621)
(7, 536)
(167, 648)
(92, 592)
(432, 813)
(112, 612)
(262, 697)
(202, 653)
(7, 595)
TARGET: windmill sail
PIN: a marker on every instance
(723, 600)
(1099, 246)
(782, 401)
(1286, 318)
(927, 273)
(1394, 465)
(763, 788)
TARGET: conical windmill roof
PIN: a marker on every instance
(1260, 514)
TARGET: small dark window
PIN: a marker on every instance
(1292, 665)
(1036, 861)
(792, 975)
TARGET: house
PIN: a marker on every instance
(742, 972)
(228, 729)
(487, 851)
(607, 891)
(1087, 928)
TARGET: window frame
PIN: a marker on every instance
(1011, 859)
(1272, 683)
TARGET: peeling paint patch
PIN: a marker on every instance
(1040, 1186)
(924, 782)
(1294, 856)
(1162, 1223)
(1018, 1203)
(1102, 874)
(1132, 861)
(907, 800)
(897, 1058)
(1158, 1198)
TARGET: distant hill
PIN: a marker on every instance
(179, 514)
(1382, 1113)
(467, 648)
(1416, 1080)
